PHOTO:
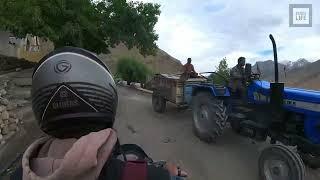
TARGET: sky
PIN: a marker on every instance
(209, 30)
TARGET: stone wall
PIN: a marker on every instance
(10, 103)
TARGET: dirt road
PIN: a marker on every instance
(169, 136)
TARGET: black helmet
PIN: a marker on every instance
(73, 93)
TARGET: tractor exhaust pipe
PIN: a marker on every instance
(277, 89)
(275, 55)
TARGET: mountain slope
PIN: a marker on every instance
(307, 76)
(267, 69)
(296, 64)
(162, 62)
(301, 74)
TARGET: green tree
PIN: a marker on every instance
(132, 70)
(223, 71)
(95, 25)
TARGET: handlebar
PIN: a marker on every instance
(137, 153)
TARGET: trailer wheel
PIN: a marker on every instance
(278, 162)
(209, 117)
(310, 160)
(158, 103)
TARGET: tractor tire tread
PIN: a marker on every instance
(294, 157)
(218, 110)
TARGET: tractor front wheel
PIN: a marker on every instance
(158, 103)
(311, 160)
(278, 162)
(209, 117)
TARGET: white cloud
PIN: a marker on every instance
(208, 30)
(182, 40)
(303, 47)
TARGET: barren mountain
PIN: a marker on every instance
(162, 62)
(296, 64)
(267, 69)
(307, 76)
(301, 73)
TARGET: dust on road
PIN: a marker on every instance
(169, 136)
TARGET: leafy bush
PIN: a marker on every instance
(117, 79)
(223, 71)
(131, 70)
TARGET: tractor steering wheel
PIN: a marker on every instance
(200, 74)
(224, 78)
(254, 76)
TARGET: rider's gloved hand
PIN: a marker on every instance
(175, 170)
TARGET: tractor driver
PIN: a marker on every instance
(188, 70)
(238, 79)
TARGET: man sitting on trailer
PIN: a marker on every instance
(188, 70)
(238, 79)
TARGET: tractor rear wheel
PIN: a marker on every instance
(158, 103)
(278, 162)
(209, 117)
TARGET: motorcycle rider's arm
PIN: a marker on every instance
(192, 67)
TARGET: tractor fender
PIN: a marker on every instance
(192, 90)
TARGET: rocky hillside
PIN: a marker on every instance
(267, 67)
(296, 64)
(307, 76)
(161, 63)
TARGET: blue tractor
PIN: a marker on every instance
(287, 117)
